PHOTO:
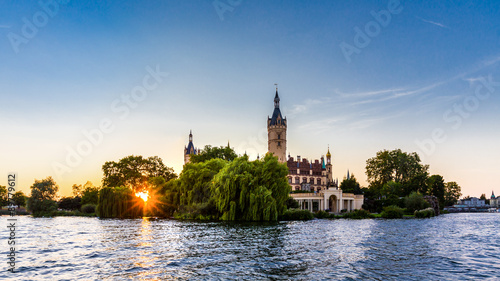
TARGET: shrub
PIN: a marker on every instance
(415, 201)
(358, 214)
(88, 208)
(425, 213)
(323, 215)
(297, 214)
(392, 212)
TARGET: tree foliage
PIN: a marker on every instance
(70, 203)
(415, 201)
(435, 187)
(209, 152)
(350, 185)
(452, 192)
(19, 199)
(402, 168)
(43, 196)
(196, 179)
(119, 202)
(135, 171)
(3, 196)
(251, 191)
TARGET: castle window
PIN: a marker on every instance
(289, 180)
(319, 181)
(297, 180)
(279, 136)
(279, 144)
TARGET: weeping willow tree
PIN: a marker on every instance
(251, 191)
(119, 202)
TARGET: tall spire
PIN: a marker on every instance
(190, 135)
(276, 98)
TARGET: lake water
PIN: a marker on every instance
(448, 247)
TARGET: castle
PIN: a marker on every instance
(314, 180)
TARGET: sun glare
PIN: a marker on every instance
(143, 195)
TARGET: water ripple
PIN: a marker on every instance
(448, 247)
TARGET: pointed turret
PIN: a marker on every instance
(189, 149)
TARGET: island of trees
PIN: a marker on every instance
(219, 185)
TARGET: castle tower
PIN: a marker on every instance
(189, 149)
(276, 131)
(329, 172)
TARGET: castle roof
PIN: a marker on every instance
(277, 118)
(190, 149)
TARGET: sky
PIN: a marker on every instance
(84, 83)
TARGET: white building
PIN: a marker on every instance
(472, 202)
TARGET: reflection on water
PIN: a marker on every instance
(449, 247)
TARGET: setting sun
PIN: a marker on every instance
(143, 195)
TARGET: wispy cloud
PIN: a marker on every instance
(306, 105)
(368, 93)
(433, 22)
(4, 26)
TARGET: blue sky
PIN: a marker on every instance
(431, 70)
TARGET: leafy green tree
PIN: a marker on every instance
(435, 187)
(209, 152)
(135, 171)
(196, 179)
(19, 199)
(292, 203)
(119, 202)
(77, 190)
(252, 191)
(452, 192)
(90, 194)
(351, 185)
(43, 196)
(397, 166)
(414, 202)
(3, 196)
(70, 203)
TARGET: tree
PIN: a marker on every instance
(350, 185)
(19, 199)
(90, 193)
(43, 196)
(435, 187)
(252, 191)
(415, 201)
(209, 152)
(77, 190)
(135, 171)
(196, 179)
(397, 166)
(70, 203)
(292, 203)
(119, 202)
(452, 192)
(3, 196)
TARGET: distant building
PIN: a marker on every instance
(189, 149)
(472, 202)
(494, 201)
